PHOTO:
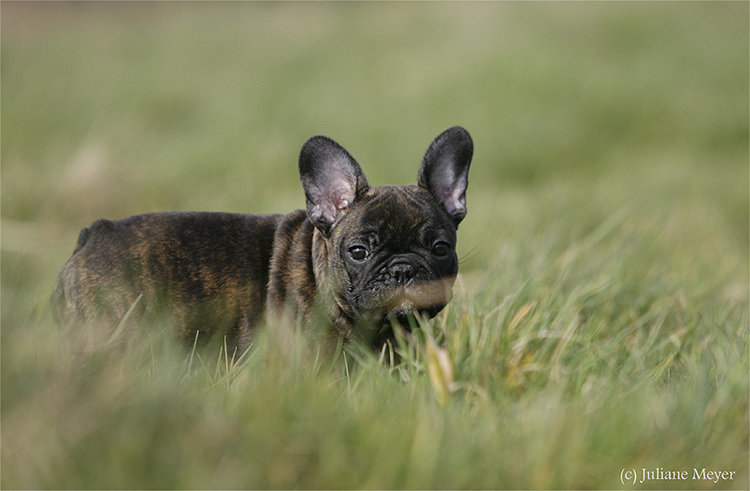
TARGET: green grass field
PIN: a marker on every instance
(600, 322)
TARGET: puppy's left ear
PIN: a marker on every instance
(445, 170)
(332, 181)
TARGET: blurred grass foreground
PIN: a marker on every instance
(599, 329)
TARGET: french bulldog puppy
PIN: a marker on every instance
(361, 257)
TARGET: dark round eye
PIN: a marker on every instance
(441, 249)
(358, 253)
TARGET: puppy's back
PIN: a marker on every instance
(210, 270)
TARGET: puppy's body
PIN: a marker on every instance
(360, 255)
(172, 262)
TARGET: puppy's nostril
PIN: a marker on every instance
(402, 273)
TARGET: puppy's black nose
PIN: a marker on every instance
(402, 273)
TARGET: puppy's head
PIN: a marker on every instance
(384, 252)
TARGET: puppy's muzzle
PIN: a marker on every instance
(402, 273)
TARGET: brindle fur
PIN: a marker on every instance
(218, 273)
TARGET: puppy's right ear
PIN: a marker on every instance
(332, 181)
(445, 170)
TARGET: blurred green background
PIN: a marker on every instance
(611, 147)
(112, 109)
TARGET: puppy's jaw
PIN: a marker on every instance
(418, 296)
(426, 299)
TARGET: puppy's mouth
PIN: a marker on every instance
(402, 302)
(405, 317)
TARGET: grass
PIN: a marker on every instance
(600, 322)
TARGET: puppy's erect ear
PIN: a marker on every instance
(332, 181)
(445, 170)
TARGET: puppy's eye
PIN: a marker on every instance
(358, 253)
(441, 249)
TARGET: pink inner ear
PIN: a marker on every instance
(328, 208)
(341, 202)
(451, 200)
(453, 206)
(340, 194)
(323, 212)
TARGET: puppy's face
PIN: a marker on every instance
(394, 252)
(382, 253)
